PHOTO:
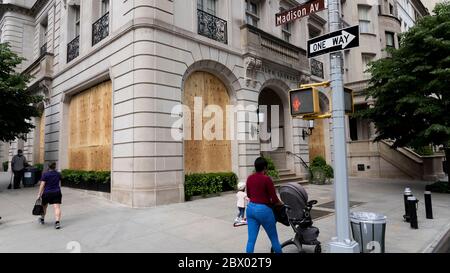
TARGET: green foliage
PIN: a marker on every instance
(272, 170)
(321, 172)
(17, 105)
(411, 88)
(424, 151)
(439, 187)
(39, 167)
(209, 183)
(5, 166)
(90, 177)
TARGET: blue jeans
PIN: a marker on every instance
(261, 215)
(241, 212)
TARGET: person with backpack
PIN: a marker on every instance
(50, 193)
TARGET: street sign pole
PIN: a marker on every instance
(343, 242)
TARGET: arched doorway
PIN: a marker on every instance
(206, 155)
(271, 129)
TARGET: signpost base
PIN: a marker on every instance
(343, 247)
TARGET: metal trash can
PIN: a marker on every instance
(29, 177)
(369, 230)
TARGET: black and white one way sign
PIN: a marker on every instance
(335, 41)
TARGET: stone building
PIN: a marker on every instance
(112, 73)
(380, 23)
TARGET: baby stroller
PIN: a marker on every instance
(298, 211)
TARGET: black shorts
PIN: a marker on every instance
(51, 198)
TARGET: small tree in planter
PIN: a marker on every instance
(5, 166)
(321, 172)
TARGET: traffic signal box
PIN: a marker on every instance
(304, 102)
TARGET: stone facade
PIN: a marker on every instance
(148, 49)
(151, 49)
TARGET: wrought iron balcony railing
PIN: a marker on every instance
(100, 29)
(212, 27)
(43, 49)
(73, 49)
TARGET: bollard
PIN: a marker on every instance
(428, 205)
(412, 210)
(407, 193)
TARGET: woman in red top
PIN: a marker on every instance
(262, 195)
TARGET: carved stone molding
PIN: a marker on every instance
(252, 66)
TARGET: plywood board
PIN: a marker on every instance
(90, 129)
(317, 141)
(205, 156)
(41, 139)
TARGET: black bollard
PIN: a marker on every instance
(407, 193)
(412, 210)
(428, 205)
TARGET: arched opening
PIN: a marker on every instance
(272, 129)
(206, 155)
(40, 137)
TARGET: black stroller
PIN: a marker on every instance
(298, 211)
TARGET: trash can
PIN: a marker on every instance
(29, 177)
(369, 230)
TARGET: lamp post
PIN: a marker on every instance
(343, 242)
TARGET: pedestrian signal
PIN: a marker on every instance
(304, 101)
(348, 99)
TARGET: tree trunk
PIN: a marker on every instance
(447, 159)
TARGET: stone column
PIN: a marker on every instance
(372, 128)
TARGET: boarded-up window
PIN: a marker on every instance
(41, 139)
(90, 129)
(204, 156)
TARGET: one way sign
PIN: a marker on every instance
(335, 41)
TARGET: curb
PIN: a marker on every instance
(441, 244)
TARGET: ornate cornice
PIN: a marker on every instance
(33, 11)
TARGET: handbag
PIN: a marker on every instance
(281, 216)
(38, 209)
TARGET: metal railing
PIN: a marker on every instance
(73, 49)
(212, 27)
(100, 29)
(305, 165)
(43, 49)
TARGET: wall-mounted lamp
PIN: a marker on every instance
(261, 117)
(308, 133)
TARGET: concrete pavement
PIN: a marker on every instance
(99, 225)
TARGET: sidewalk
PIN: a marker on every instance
(99, 225)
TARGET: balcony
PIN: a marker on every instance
(100, 29)
(41, 70)
(212, 27)
(266, 46)
(73, 49)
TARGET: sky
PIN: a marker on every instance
(430, 4)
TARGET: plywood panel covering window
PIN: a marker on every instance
(90, 129)
(41, 139)
(204, 156)
(317, 140)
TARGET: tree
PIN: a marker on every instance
(412, 87)
(17, 105)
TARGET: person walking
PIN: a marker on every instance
(262, 195)
(50, 193)
(18, 165)
(241, 200)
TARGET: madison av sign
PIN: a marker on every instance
(335, 41)
(299, 12)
